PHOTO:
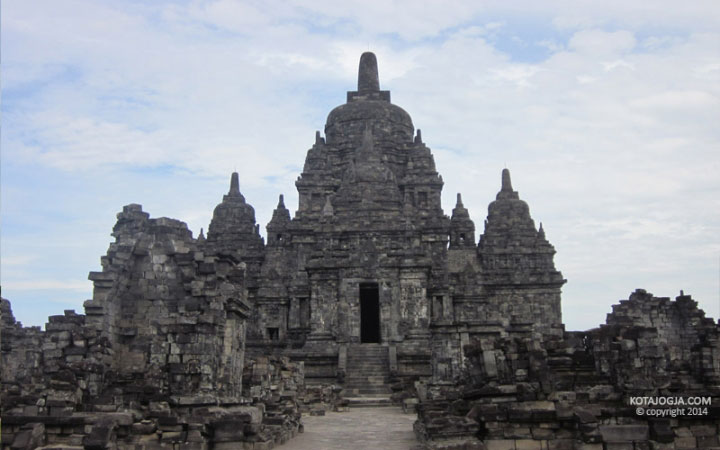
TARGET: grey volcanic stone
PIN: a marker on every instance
(368, 292)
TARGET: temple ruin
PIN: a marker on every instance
(368, 294)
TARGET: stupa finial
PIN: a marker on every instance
(506, 183)
(234, 185)
(368, 79)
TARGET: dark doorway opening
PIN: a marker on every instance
(369, 313)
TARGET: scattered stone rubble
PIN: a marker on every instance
(582, 390)
(367, 290)
(157, 359)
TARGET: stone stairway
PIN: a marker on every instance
(367, 378)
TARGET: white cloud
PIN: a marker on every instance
(599, 43)
(677, 100)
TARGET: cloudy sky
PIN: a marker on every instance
(606, 114)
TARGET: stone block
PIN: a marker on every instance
(31, 437)
(682, 443)
(588, 446)
(683, 432)
(542, 433)
(566, 396)
(619, 446)
(660, 431)
(99, 438)
(708, 441)
(661, 446)
(583, 415)
(560, 444)
(409, 405)
(143, 427)
(247, 414)
(704, 430)
(624, 433)
(227, 431)
(528, 444)
(500, 444)
(172, 436)
(517, 432)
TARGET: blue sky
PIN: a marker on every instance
(605, 113)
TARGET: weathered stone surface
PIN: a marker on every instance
(163, 337)
(575, 390)
(368, 289)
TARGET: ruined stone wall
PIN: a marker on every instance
(156, 360)
(174, 315)
(574, 391)
(655, 342)
(21, 357)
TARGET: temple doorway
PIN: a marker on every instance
(369, 313)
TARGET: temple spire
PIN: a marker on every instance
(506, 184)
(234, 185)
(368, 79)
(459, 201)
(281, 201)
(506, 190)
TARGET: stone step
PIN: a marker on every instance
(367, 401)
(379, 378)
(366, 391)
(368, 351)
(364, 374)
(368, 373)
(374, 378)
(361, 386)
(367, 378)
(366, 386)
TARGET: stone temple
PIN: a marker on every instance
(368, 294)
(370, 258)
